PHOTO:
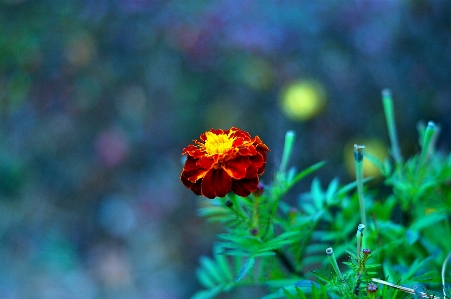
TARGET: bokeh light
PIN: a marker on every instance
(303, 100)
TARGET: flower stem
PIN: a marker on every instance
(255, 212)
(387, 102)
(358, 159)
(443, 273)
(236, 207)
(359, 235)
(333, 261)
(287, 149)
(427, 145)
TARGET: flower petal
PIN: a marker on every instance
(191, 171)
(244, 187)
(205, 162)
(236, 167)
(247, 150)
(195, 187)
(216, 183)
(193, 151)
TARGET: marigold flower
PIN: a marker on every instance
(224, 160)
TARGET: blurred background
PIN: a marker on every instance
(99, 97)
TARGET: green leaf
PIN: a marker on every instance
(287, 294)
(208, 294)
(301, 295)
(247, 265)
(317, 193)
(348, 187)
(306, 172)
(331, 190)
(428, 220)
(211, 269)
(223, 264)
(205, 279)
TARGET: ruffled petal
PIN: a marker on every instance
(247, 151)
(236, 167)
(193, 151)
(216, 183)
(191, 171)
(195, 187)
(238, 133)
(205, 163)
(257, 160)
(244, 187)
(217, 164)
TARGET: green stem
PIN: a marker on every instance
(427, 145)
(387, 102)
(239, 212)
(359, 235)
(358, 159)
(333, 261)
(255, 212)
(287, 149)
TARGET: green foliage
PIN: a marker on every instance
(268, 242)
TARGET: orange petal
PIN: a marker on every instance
(236, 167)
(244, 187)
(193, 151)
(216, 183)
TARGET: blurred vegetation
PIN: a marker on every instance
(98, 98)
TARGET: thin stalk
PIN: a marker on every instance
(255, 212)
(359, 236)
(333, 261)
(427, 145)
(238, 209)
(445, 263)
(358, 159)
(387, 102)
(287, 149)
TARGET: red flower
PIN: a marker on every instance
(224, 160)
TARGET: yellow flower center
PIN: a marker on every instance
(218, 144)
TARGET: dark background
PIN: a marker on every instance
(98, 98)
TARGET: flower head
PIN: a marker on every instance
(224, 160)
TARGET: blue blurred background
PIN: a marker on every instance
(98, 98)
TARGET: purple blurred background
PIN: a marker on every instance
(98, 98)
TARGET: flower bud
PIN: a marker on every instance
(254, 231)
(371, 288)
(260, 189)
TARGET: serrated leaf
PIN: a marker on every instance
(247, 265)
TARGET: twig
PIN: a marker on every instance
(404, 289)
